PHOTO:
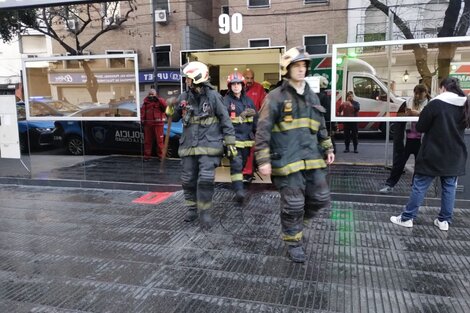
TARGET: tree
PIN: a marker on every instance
(453, 25)
(50, 21)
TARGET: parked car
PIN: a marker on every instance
(39, 106)
(79, 137)
(35, 134)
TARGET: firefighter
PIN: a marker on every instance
(242, 113)
(206, 126)
(292, 144)
(152, 114)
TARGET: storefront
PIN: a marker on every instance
(168, 82)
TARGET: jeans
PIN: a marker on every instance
(420, 186)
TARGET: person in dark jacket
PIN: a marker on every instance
(350, 108)
(152, 115)
(442, 154)
(291, 145)
(243, 115)
(206, 127)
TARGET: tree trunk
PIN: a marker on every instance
(91, 82)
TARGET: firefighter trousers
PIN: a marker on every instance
(236, 167)
(197, 177)
(303, 194)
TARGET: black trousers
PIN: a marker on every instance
(350, 133)
(197, 179)
(411, 147)
(303, 194)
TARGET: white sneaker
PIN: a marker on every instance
(397, 220)
(444, 225)
(386, 189)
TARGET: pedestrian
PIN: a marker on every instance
(291, 145)
(325, 100)
(350, 108)
(414, 106)
(443, 152)
(206, 126)
(152, 115)
(243, 115)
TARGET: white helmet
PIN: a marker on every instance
(323, 82)
(197, 71)
(293, 55)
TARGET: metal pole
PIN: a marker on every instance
(154, 49)
(389, 57)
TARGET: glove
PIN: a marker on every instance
(247, 113)
(231, 151)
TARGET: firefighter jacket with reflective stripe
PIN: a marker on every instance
(245, 128)
(206, 124)
(152, 111)
(291, 132)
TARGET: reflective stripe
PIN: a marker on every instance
(189, 203)
(229, 140)
(204, 205)
(296, 123)
(244, 144)
(296, 237)
(236, 177)
(240, 120)
(200, 151)
(298, 166)
(326, 144)
(204, 120)
(263, 154)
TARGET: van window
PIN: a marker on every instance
(366, 87)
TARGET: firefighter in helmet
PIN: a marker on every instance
(242, 113)
(293, 146)
(206, 127)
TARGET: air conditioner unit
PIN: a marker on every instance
(71, 24)
(108, 21)
(160, 16)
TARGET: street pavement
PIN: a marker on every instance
(109, 250)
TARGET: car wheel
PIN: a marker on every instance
(74, 145)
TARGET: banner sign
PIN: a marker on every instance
(162, 76)
(80, 78)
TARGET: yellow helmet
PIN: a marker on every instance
(293, 55)
(197, 71)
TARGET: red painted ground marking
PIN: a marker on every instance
(153, 198)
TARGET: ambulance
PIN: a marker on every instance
(369, 90)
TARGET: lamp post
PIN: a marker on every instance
(154, 48)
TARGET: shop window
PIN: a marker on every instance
(265, 42)
(316, 44)
(258, 3)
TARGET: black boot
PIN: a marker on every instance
(240, 195)
(205, 219)
(296, 253)
(191, 215)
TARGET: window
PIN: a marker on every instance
(118, 62)
(162, 5)
(258, 3)
(252, 43)
(225, 9)
(316, 44)
(163, 55)
(316, 1)
(365, 87)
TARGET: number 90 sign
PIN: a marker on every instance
(235, 23)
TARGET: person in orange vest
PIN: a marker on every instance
(256, 92)
(152, 115)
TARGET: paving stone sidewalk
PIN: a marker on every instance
(93, 250)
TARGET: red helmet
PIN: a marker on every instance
(235, 77)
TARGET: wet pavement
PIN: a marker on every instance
(95, 250)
